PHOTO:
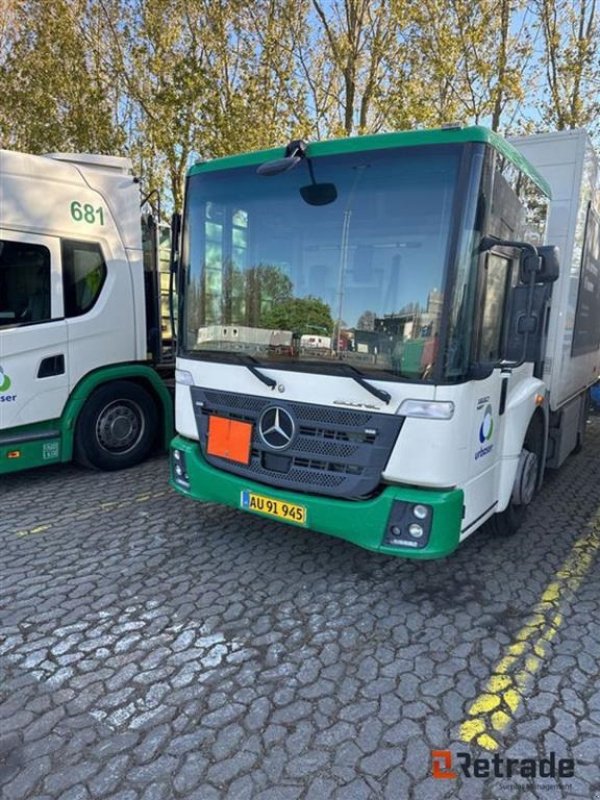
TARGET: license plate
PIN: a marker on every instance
(261, 504)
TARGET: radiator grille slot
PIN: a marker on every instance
(334, 451)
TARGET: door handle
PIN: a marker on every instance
(52, 365)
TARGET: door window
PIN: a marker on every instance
(497, 274)
(84, 272)
(25, 283)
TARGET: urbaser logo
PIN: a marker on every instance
(441, 764)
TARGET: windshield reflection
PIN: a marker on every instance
(358, 280)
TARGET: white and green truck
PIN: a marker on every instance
(84, 346)
(388, 338)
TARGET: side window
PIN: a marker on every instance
(497, 276)
(586, 331)
(533, 216)
(24, 283)
(84, 273)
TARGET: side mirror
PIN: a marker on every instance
(278, 165)
(550, 264)
(544, 266)
(526, 323)
(541, 263)
(529, 265)
(294, 153)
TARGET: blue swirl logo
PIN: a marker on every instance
(486, 429)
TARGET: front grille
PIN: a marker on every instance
(337, 452)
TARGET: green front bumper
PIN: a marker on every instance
(362, 522)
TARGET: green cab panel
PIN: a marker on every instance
(30, 446)
(364, 523)
(52, 441)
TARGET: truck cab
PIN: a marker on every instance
(423, 260)
(77, 353)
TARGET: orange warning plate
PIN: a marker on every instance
(229, 438)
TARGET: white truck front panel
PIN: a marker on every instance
(335, 391)
(476, 450)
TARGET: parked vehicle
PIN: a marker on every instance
(85, 344)
(472, 376)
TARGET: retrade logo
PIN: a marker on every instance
(4, 381)
(276, 427)
(445, 765)
(441, 764)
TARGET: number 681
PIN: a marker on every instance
(87, 213)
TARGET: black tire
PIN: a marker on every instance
(507, 522)
(585, 412)
(116, 428)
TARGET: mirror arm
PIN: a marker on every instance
(489, 242)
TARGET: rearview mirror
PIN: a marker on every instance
(318, 194)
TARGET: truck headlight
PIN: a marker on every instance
(403, 529)
(427, 409)
(184, 377)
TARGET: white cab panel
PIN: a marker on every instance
(30, 398)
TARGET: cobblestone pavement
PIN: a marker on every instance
(156, 648)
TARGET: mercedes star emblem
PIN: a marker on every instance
(276, 427)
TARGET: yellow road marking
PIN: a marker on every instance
(39, 529)
(109, 505)
(512, 677)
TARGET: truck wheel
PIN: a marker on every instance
(508, 522)
(116, 428)
(585, 412)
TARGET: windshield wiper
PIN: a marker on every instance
(359, 377)
(250, 363)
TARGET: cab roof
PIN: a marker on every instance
(381, 141)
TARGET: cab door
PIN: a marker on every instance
(33, 332)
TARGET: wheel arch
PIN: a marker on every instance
(140, 374)
(527, 420)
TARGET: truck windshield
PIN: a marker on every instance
(359, 279)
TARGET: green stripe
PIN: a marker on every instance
(36, 453)
(361, 522)
(381, 141)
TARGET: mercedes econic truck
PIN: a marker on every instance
(388, 338)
